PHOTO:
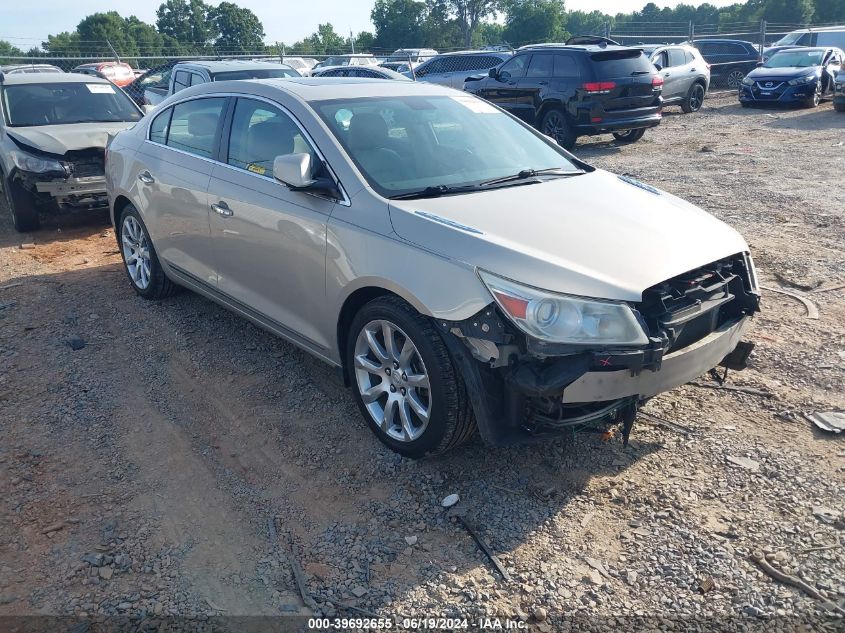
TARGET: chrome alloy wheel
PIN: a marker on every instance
(392, 380)
(136, 251)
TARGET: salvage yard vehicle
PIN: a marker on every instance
(14, 69)
(367, 72)
(568, 91)
(53, 134)
(453, 69)
(730, 60)
(839, 92)
(360, 59)
(460, 268)
(186, 74)
(119, 73)
(795, 76)
(686, 76)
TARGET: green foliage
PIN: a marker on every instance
(238, 30)
(7, 50)
(187, 22)
(530, 21)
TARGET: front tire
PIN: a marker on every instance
(555, 124)
(629, 136)
(404, 380)
(816, 99)
(22, 207)
(139, 257)
(694, 99)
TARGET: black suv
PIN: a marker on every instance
(571, 91)
(730, 60)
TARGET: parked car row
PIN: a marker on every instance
(802, 76)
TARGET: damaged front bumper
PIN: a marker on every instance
(74, 192)
(521, 389)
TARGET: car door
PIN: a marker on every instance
(832, 66)
(503, 88)
(270, 241)
(533, 86)
(674, 79)
(176, 166)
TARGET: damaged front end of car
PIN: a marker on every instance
(536, 364)
(59, 183)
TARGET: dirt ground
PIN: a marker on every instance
(160, 458)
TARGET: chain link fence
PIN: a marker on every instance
(731, 49)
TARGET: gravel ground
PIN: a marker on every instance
(162, 458)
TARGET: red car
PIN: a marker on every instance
(119, 73)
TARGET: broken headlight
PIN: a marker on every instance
(800, 81)
(35, 164)
(558, 318)
(747, 81)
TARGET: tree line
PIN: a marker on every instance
(193, 27)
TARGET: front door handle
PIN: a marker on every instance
(222, 209)
(146, 177)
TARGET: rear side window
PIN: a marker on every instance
(160, 126)
(193, 126)
(540, 66)
(831, 38)
(622, 63)
(566, 66)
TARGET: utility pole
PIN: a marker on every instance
(352, 40)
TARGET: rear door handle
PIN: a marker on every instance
(222, 209)
(146, 177)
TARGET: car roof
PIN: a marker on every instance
(8, 67)
(52, 78)
(587, 48)
(309, 89)
(808, 49)
(375, 69)
(723, 40)
(222, 65)
(473, 52)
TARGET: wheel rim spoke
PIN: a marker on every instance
(375, 347)
(398, 400)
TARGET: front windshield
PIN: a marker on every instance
(788, 39)
(406, 144)
(62, 103)
(335, 61)
(258, 73)
(795, 59)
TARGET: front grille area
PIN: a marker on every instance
(775, 91)
(686, 308)
(85, 163)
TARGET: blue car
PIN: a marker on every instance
(795, 76)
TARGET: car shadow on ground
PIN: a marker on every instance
(277, 437)
(54, 228)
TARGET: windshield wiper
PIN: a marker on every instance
(435, 192)
(531, 173)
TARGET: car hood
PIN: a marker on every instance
(61, 139)
(782, 74)
(596, 235)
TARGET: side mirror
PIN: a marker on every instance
(294, 170)
(148, 108)
(493, 73)
(297, 172)
(658, 65)
(759, 64)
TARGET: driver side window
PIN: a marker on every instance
(260, 132)
(514, 68)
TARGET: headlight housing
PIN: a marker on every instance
(36, 164)
(800, 81)
(747, 81)
(564, 319)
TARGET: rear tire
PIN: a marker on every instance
(22, 207)
(556, 125)
(694, 99)
(629, 136)
(139, 257)
(425, 409)
(734, 79)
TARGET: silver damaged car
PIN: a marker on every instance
(462, 271)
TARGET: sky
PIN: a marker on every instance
(28, 24)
